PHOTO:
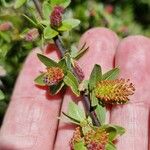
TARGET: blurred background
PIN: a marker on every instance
(125, 17)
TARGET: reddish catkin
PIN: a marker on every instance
(114, 91)
(76, 137)
(56, 16)
(32, 35)
(5, 26)
(53, 76)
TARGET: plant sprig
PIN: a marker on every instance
(97, 92)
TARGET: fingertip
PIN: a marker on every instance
(102, 44)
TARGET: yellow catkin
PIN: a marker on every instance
(114, 91)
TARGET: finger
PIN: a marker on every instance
(133, 59)
(31, 118)
(102, 44)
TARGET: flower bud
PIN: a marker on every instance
(56, 16)
(78, 70)
(32, 35)
(5, 26)
(114, 91)
(53, 76)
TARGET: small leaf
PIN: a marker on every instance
(69, 24)
(110, 146)
(39, 80)
(49, 33)
(54, 89)
(30, 20)
(47, 61)
(110, 75)
(81, 53)
(75, 112)
(120, 130)
(72, 82)
(114, 131)
(79, 146)
(19, 3)
(5, 36)
(95, 76)
(94, 100)
(101, 113)
(63, 3)
(2, 96)
(72, 120)
(47, 9)
(62, 64)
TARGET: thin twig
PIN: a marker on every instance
(59, 45)
(62, 51)
(85, 97)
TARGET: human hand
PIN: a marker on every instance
(31, 119)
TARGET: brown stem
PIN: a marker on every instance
(62, 51)
(85, 97)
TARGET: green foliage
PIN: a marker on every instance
(75, 112)
(39, 80)
(2, 96)
(19, 3)
(63, 3)
(49, 33)
(79, 146)
(72, 82)
(110, 75)
(101, 113)
(54, 89)
(95, 76)
(47, 61)
(69, 24)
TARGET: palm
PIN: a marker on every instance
(31, 120)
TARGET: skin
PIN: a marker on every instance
(31, 119)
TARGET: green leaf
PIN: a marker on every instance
(49, 33)
(30, 20)
(47, 61)
(54, 89)
(110, 146)
(101, 113)
(79, 146)
(95, 76)
(47, 9)
(39, 80)
(110, 75)
(72, 82)
(81, 53)
(114, 131)
(62, 64)
(72, 120)
(63, 3)
(19, 3)
(69, 24)
(94, 100)
(75, 112)
(120, 130)
(2, 96)
(5, 36)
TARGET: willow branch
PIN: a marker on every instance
(62, 50)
